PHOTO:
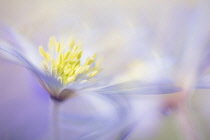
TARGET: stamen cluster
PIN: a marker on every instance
(64, 62)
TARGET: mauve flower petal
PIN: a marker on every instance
(23, 111)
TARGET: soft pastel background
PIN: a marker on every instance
(152, 37)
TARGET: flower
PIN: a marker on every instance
(62, 72)
(95, 23)
(48, 67)
(63, 62)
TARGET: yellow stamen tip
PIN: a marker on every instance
(52, 42)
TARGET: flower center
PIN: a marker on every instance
(64, 62)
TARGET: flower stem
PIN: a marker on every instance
(55, 133)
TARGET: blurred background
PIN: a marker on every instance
(145, 40)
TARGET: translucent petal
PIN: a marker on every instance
(23, 107)
(50, 83)
(203, 82)
(19, 43)
(86, 115)
(137, 87)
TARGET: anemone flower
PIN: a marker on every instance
(63, 73)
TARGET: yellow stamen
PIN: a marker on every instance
(58, 47)
(64, 63)
(93, 73)
(43, 53)
(52, 43)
